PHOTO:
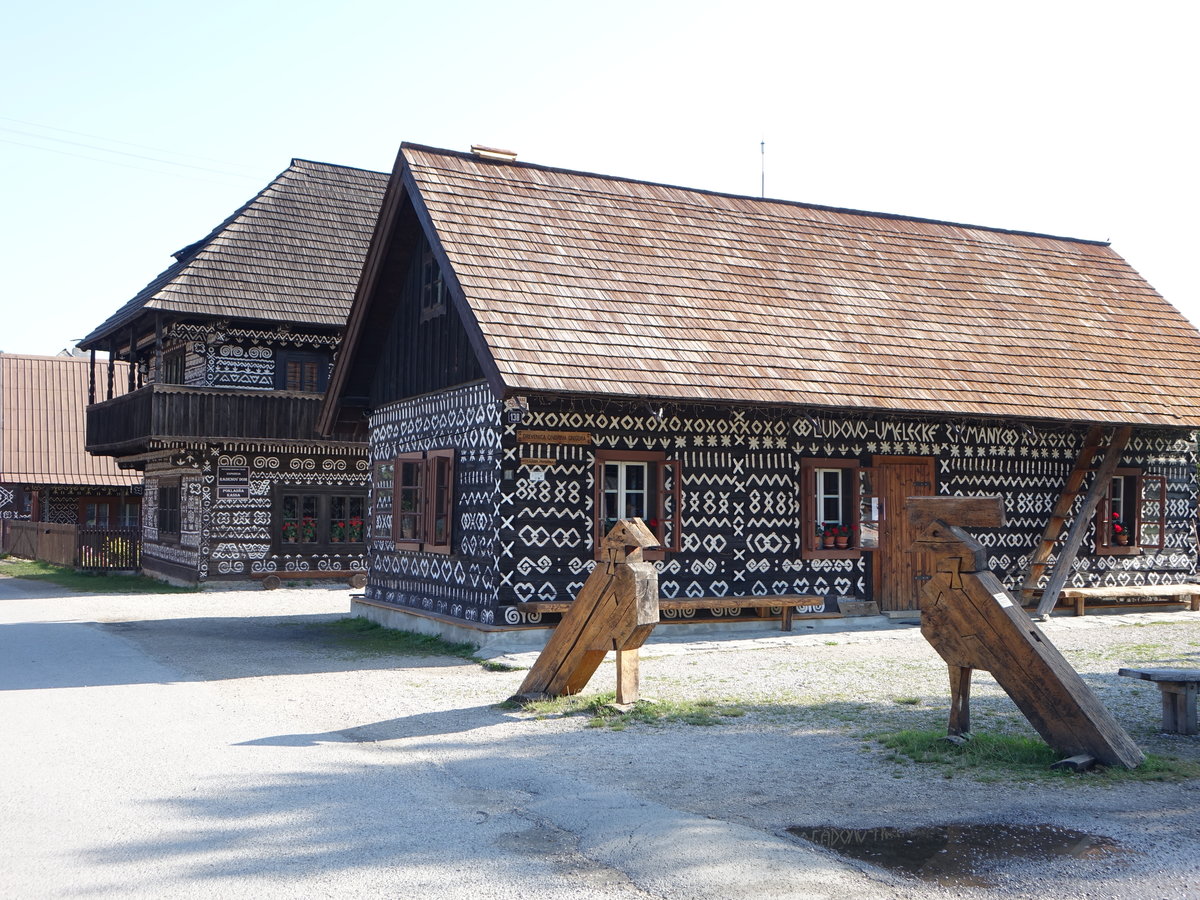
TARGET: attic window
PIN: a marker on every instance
(433, 287)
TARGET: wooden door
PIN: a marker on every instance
(898, 570)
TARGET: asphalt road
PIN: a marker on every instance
(148, 751)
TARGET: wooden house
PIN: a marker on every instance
(224, 358)
(46, 475)
(542, 351)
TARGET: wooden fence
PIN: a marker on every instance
(75, 546)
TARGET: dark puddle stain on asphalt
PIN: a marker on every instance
(957, 855)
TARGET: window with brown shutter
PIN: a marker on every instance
(423, 501)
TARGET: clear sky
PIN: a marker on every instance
(129, 129)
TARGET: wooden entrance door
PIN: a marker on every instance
(898, 570)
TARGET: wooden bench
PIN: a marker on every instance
(762, 604)
(272, 580)
(1178, 688)
(1146, 593)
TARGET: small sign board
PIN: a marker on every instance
(538, 461)
(554, 437)
(233, 482)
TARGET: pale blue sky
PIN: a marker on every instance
(1066, 118)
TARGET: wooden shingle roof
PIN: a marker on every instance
(42, 402)
(587, 284)
(291, 254)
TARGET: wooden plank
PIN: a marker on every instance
(1066, 556)
(967, 512)
(1179, 675)
(1139, 590)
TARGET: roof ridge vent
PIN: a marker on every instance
(493, 153)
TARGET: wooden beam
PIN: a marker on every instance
(1070, 550)
(966, 512)
(1062, 510)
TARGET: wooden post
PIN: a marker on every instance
(616, 609)
(960, 700)
(156, 377)
(1066, 556)
(973, 621)
(112, 365)
(92, 376)
(628, 676)
(132, 359)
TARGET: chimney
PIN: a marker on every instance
(493, 153)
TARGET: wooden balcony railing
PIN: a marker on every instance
(159, 414)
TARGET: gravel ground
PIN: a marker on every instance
(223, 744)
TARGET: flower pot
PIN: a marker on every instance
(843, 541)
(1122, 539)
(829, 541)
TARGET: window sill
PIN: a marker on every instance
(1119, 551)
(848, 553)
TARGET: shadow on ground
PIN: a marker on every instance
(197, 649)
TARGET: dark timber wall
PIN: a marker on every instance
(418, 356)
(519, 538)
(462, 585)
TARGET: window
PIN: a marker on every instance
(301, 370)
(168, 510)
(314, 520)
(129, 514)
(1131, 517)
(174, 367)
(433, 286)
(94, 514)
(423, 501)
(830, 503)
(645, 485)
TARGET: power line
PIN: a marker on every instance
(113, 162)
(156, 159)
(108, 140)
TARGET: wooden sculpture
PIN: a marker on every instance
(973, 622)
(616, 609)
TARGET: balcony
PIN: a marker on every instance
(165, 415)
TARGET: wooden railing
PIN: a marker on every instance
(167, 412)
(74, 546)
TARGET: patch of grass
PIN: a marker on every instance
(88, 582)
(604, 713)
(492, 665)
(369, 638)
(988, 757)
(908, 701)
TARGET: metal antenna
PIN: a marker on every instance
(763, 186)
